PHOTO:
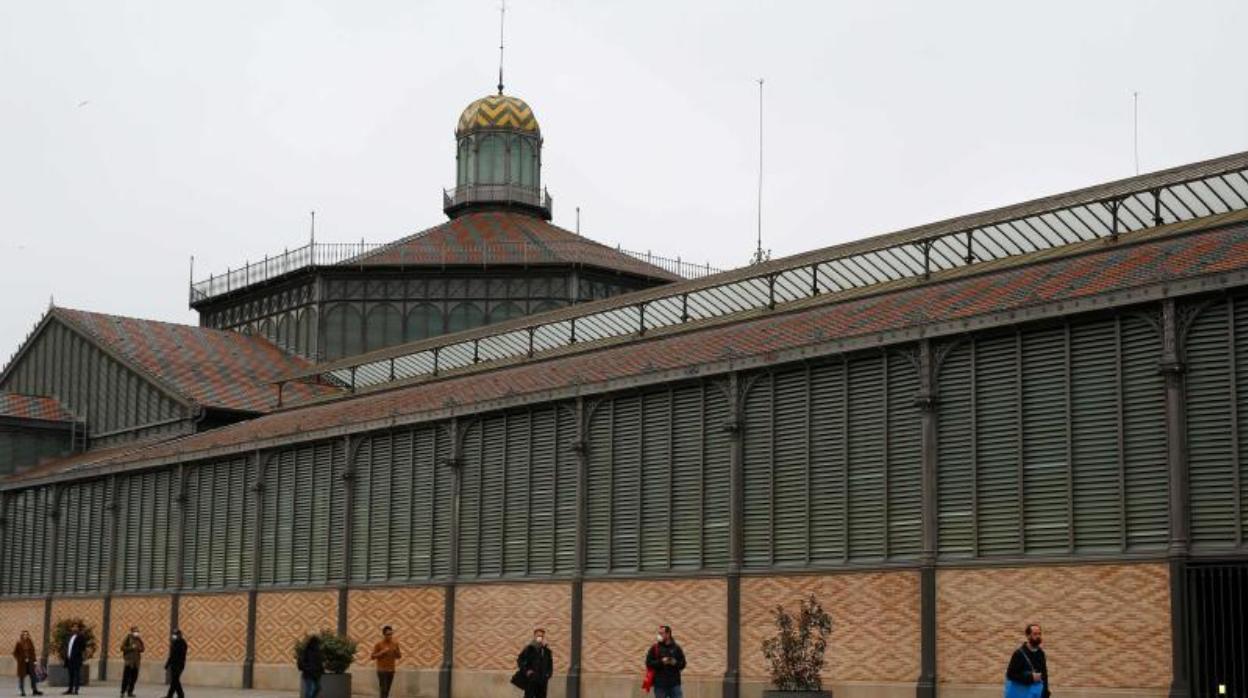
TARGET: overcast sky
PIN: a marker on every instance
(135, 134)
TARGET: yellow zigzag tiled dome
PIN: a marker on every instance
(497, 111)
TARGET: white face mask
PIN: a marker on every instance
(659, 637)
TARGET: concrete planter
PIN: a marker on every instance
(772, 693)
(335, 686)
(58, 675)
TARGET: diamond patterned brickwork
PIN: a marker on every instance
(875, 621)
(284, 617)
(493, 621)
(416, 615)
(1105, 626)
(91, 611)
(16, 616)
(151, 614)
(215, 627)
(621, 617)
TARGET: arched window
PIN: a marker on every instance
(343, 327)
(423, 321)
(266, 329)
(302, 325)
(284, 338)
(490, 161)
(505, 311)
(527, 163)
(384, 327)
(548, 305)
(461, 162)
(464, 316)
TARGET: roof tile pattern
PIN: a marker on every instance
(225, 370)
(1057, 279)
(37, 407)
(504, 237)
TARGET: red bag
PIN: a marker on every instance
(647, 682)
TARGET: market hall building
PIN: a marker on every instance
(1035, 413)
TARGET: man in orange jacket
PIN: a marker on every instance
(386, 653)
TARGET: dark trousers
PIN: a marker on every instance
(536, 689)
(175, 683)
(75, 676)
(21, 681)
(129, 676)
(385, 679)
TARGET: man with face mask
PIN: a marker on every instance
(667, 660)
(537, 665)
(131, 652)
(1028, 666)
(175, 664)
(386, 653)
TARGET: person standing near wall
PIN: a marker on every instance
(1028, 672)
(311, 667)
(386, 653)
(176, 663)
(25, 658)
(537, 664)
(73, 652)
(131, 653)
(667, 660)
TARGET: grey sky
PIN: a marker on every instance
(213, 128)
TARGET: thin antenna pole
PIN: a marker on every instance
(502, 16)
(758, 251)
(313, 239)
(1136, 117)
(578, 220)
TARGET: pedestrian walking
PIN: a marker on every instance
(176, 663)
(1028, 673)
(73, 652)
(386, 653)
(27, 664)
(666, 660)
(311, 667)
(536, 664)
(132, 648)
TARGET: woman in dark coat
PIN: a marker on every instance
(24, 656)
(311, 667)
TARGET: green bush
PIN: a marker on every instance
(61, 633)
(796, 653)
(338, 650)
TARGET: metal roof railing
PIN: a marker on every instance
(1105, 211)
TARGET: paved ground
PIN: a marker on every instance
(111, 690)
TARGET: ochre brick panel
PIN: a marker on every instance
(284, 617)
(416, 615)
(151, 614)
(621, 618)
(1105, 626)
(215, 627)
(875, 622)
(91, 611)
(494, 621)
(16, 616)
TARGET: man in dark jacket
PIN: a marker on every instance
(667, 660)
(73, 652)
(537, 664)
(1027, 665)
(175, 664)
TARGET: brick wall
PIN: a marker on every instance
(494, 621)
(91, 611)
(16, 616)
(621, 618)
(284, 617)
(1105, 626)
(151, 614)
(875, 622)
(215, 627)
(416, 615)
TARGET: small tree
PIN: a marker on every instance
(338, 650)
(796, 652)
(62, 631)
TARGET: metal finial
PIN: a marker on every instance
(502, 15)
(1135, 95)
(313, 238)
(759, 255)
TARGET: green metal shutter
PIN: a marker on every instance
(470, 502)
(654, 545)
(790, 476)
(234, 497)
(598, 486)
(1144, 433)
(688, 492)
(518, 484)
(997, 457)
(543, 452)
(268, 518)
(286, 492)
(903, 434)
(626, 499)
(1240, 356)
(402, 478)
(1046, 492)
(67, 553)
(716, 477)
(245, 477)
(494, 490)
(955, 466)
(329, 492)
(757, 447)
(1211, 430)
(829, 486)
(1096, 394)
(565, 504)
(867, 504)
(127, 563)
(444, 485)
(423, 495)
(307, 526)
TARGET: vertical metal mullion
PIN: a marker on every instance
(1120, 398)
(671, 459)
(641, 425)
(528, 505)
(480, 492)
(884, 438)
(809, 483)
(1070, 442)
(974, 352)
(1018, 440)
(845, 455)
(611, 488)
(771, 473)
(1234, 389)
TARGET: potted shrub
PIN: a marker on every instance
(795, 656)
(338, 652)
(58, 675)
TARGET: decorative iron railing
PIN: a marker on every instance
(498, 193)
(1102, 212)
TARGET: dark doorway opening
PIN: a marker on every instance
(1218, 594)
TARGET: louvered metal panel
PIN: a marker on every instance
(655, 465)
(423, 495)
(565, 496)
(363, 496)
(331, 501)
(1144, 437)
(997, 487)
(470, 502)
(716, 469)
(867, 500)
(901, 433)
(790, 477)
(626, 510)
(444, 482)
(518, 488)
(829, 491)
(1239, 355)
(688, 480)
(542, 451)
(1045, 440)
(494, 489)
(1096, 402)
(1211, 429)
(955, 470)
(399, 526)
(758, 451)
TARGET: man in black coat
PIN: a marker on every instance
(175, 664)
(537, 664)
(74, 650)
(667, 660)
(1027, 665)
